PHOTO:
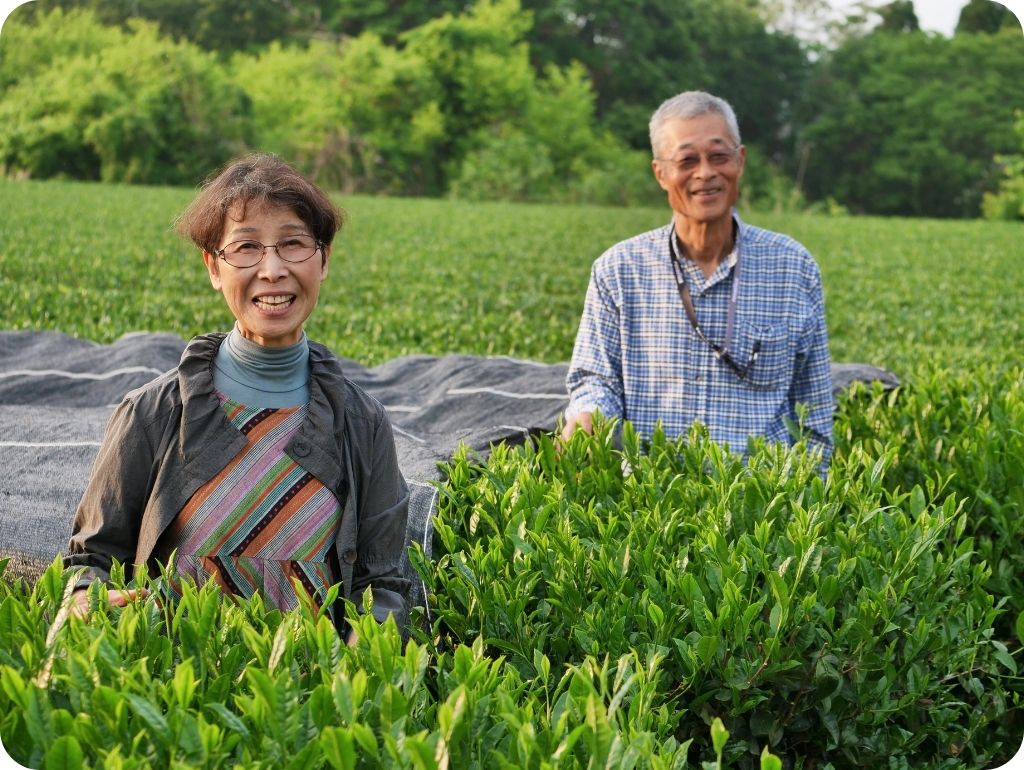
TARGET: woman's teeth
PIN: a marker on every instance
(276, 301)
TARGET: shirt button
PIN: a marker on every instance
(301, 448)
(349, 556)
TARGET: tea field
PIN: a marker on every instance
(662, 605)
(429, 276)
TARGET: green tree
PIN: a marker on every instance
(908, 124)
(31, 42)
(223, 26)
(359, 115)
(480, 63)
(1008, 201)
(763, 74)
(555, 150)
(640, 52)
(509, 132)
(455, 106)
(985, 17)
(386, 18)
(119, 106)
(484, 58)
(632, 51)
(899, 16)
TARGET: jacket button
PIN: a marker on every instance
(349, 556)
(301, 448)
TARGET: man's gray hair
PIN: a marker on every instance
(691, 104)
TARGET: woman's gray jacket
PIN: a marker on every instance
(169, 437)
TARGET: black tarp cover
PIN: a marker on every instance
(57, 391)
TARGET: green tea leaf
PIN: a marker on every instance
(64, 754)
(1006, 659)
(917, 501)
(149, 714)
(769, 761)
(338, 747)
(184, 683)
(719, 735)
(366, 739)
(232, 720)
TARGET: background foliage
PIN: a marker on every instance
(514, 99)
(1008, 201)
(115, 105)
(920, 138)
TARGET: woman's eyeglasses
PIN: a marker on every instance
(294, 248)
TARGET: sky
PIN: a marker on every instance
(936, 15)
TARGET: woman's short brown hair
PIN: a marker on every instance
(257, 179)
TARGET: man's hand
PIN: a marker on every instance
(80, 600)
(582, 420)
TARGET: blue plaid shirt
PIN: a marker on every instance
(637, 356)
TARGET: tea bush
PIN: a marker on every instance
(211, 682)
(963, 435)
(845, 622)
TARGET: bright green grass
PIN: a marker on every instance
(430, 276)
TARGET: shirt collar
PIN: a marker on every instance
(725, 267)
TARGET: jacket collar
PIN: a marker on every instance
(327, 391)
(195, 376)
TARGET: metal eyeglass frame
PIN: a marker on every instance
(222, 253)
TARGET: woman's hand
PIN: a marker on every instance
(117, 598)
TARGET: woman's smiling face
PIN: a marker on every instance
(272, 299)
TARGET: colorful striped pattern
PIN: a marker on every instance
(261, 523)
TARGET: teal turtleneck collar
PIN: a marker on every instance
(258, 376)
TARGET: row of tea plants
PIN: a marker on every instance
(479, 278)
(876, 617)
(213, 683)
(617, 603)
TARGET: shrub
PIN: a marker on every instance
(766, 188)
(844, 622)
(962, 435)
(1008, 201)
(211, 682)
(505, 165)
(121, 107)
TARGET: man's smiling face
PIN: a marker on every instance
(699, 165)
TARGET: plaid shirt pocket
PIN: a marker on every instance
(773, 367)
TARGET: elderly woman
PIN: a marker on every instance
(255, 462)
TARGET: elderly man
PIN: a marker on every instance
(707, 319)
